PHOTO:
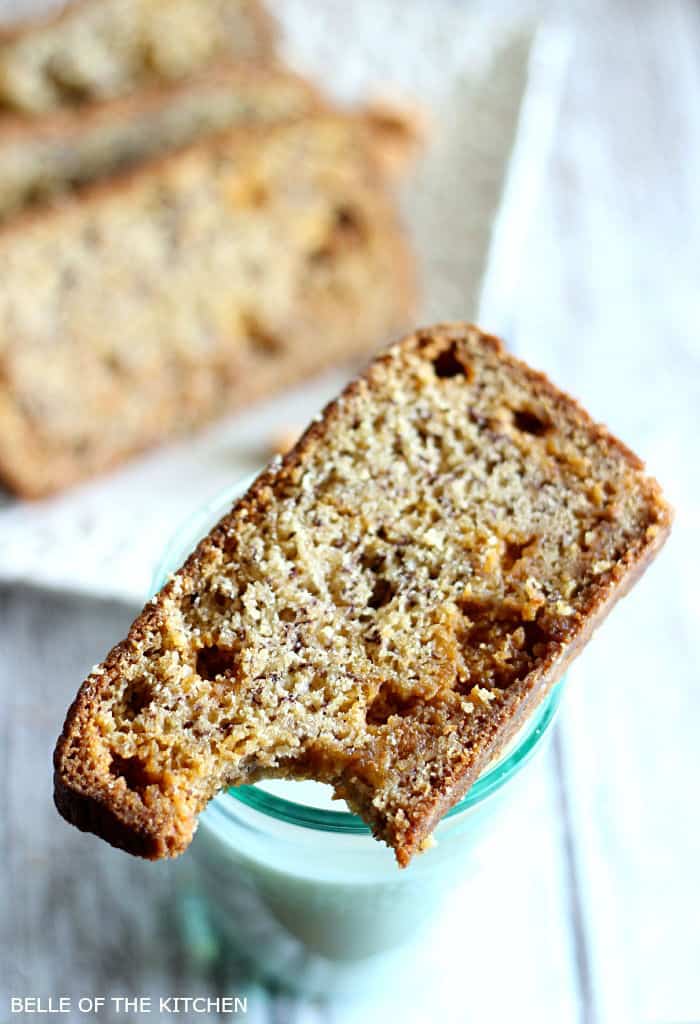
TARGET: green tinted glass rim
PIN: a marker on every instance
(182, 544)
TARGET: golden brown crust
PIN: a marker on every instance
(168, 829)
(88, 802)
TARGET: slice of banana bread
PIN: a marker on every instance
(381, 611)
(145, 306)
(96, 49)
(46, 156)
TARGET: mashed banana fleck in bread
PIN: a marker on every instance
(98, 49)
(380, 611)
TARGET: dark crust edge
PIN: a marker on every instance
(155, 837)
(114, 188)
(90, 815)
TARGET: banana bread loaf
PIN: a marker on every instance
(381, 611)
(147, 305)
(97, 49)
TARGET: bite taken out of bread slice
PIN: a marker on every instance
(381, 611)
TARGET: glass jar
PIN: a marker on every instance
(303, 895)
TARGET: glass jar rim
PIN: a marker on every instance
(182, 543)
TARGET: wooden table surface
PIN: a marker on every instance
(592, 913)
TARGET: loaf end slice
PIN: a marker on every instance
(381, 611)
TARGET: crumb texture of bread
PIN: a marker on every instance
(146, 305)
(380, 611)
(52, 155)
(99, 49)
